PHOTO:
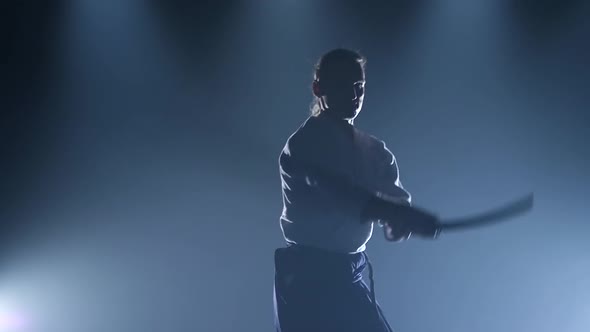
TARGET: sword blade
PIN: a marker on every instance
(508, 211)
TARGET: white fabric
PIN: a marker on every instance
(320, 213)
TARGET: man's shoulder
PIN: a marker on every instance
(376, 141)
(377, 148)
(294, 141)
(301, 136)
(371, 141)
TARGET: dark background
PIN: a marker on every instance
(140, 140)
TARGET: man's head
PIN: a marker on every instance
(339, 83)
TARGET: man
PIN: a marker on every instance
(336, 183)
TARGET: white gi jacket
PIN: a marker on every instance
(319, 211)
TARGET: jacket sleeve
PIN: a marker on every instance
(388, 183)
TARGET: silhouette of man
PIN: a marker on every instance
(337, 181)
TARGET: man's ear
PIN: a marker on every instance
(315, 86)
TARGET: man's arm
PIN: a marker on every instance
(377, 205)
(388, 185)
(393, 204)
(401, 220)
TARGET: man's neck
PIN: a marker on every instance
(332, 115)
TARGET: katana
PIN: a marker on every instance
(493, 216)
(499, 214)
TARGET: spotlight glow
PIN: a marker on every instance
(11, 321)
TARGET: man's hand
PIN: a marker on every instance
(394, 233)
(411, 221)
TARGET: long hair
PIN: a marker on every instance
(331, 62)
